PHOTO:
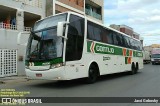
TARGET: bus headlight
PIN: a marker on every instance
(56, 65)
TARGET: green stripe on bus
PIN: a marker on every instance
(106, 49)
(54, 61)
(94, 47)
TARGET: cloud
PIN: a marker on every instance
(142, 15)
(135, 4)
(111, 4)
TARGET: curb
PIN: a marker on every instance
(2, 82)
(13, 79)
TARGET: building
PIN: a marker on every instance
(20, 15)
(127, 30)
(16, 16)
(136, 35)
(114, 26)
(149, 48)
(92, 8)
(155, 45)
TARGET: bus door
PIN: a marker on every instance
(74, 46)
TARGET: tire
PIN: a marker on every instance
(92, 74)
(136, 68)
(133, 69)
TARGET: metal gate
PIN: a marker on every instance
(8, 62)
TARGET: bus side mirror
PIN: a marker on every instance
(19, 38)
(60, 29)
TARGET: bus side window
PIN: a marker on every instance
(120, 40)
(141, 48)
(127, 42)
(97, 33)
(104, 36)
(90, 34)
(94, 32)
(132, 44)
(110, 36)
(123, 41)
(115, 40)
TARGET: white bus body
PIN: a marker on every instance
(76, 54)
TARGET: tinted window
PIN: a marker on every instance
(133, 46)
(101, 34)
(49, 22)
(74, 46)
(104, 36)
(109, 36)
(94, 31)
(126, 42)
(138, 45)
(117, 38)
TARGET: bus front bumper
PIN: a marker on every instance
(51, 74)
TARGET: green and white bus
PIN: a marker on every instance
(69, 46)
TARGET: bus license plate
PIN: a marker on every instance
(38, 75)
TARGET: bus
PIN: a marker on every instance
(70, 46)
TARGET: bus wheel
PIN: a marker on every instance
(137, 68)
(92, 74)
(133, 69)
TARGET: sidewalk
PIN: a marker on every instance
(13, 79)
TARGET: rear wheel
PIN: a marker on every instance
(133, 69)
(137, 68)
(92, 74)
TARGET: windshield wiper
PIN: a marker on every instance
(35, 37)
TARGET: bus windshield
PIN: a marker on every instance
(49, 22)
(155, 55)
(44, 45)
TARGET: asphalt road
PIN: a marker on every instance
(146, 83)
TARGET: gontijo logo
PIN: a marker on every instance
(104, 49)
(95, 48)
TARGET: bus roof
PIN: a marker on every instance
(92, 20)
(69, 12)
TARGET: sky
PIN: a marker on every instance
(142, 15)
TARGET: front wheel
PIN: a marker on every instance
(92, 75)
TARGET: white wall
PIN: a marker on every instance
(25, 7)
(8, 40)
